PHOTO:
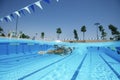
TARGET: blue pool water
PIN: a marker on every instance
(19, 60)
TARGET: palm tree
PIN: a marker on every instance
(75, 34)
(97, 24)
(114, 32)
(113, 29)
(42, 35)
(59, 31)
(83, 29)
(103, 33)
(100, 28)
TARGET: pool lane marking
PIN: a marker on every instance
(111, 67)
(42, 68)
(45, 74)
(113, 57)
(78, 69)
(17, 57)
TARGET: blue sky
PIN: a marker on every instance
(66, 14)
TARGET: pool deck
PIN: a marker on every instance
(87, 41)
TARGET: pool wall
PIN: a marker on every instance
(7, 48)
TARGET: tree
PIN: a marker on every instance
(42, 35)
(114, 32)
(103, 33)
(97, 24)
(3, 34)
(75, 34)
(24, 36)
(83, 29)
(113, 29)
(59, 31)
(1, 30)
(100, 28)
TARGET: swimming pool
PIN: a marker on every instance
(19, 60)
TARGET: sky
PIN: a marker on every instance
(66, 14)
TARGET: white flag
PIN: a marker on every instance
(17, 13)
(38, 4)
(9, 18)
(27, 9)
(57, 0)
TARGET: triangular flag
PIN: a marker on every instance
(38, 4)
(22, 12)
(57, 0)
(12, 16)
(9, 18)
(33, 8)
(48, 1)
(27, 9)
(6, 19)
(17, 13)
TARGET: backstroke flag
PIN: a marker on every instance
(9, 17)
(21, 12)
(57, 0)
(38, 4)
(27, 9)
(17, 13)
(33, 8)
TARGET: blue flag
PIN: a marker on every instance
(33, 8)
(21, 12)
(12, 16)
(6, 19)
